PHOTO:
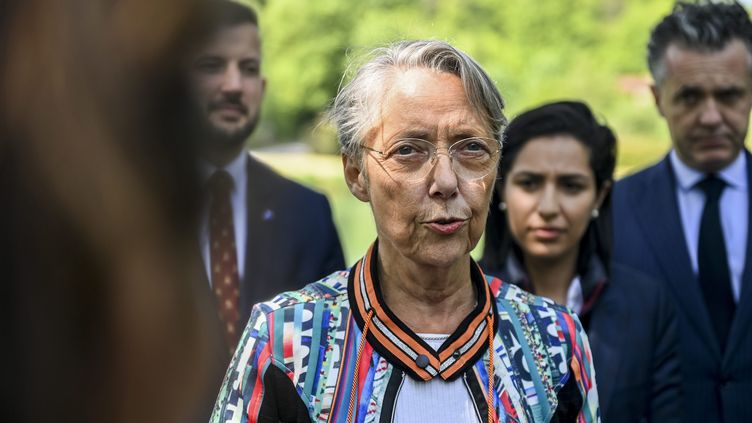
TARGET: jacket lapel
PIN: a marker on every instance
(740, 324)
(658, 216)
(260, 241)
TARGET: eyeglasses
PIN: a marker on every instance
(411, 159)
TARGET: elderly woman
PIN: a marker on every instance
(413, 330)
(549, 232)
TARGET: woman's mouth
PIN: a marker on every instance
(547, 233)
(448, 226)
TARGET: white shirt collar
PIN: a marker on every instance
(575, 301)
(735, 174)
(236, 169)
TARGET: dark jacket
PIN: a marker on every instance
(292, 241)
(631, 324)
(648, 236)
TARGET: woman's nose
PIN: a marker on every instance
(444, 179)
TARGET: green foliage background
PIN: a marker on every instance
(535, 50)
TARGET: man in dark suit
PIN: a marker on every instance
(261, 234)
(686, 220)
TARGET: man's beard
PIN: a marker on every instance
(222, 139)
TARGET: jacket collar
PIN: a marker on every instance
(393, 340)
(592, 280)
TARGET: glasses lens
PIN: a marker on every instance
(474, 158)
(409, 158)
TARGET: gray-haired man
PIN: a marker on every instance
(685, 220)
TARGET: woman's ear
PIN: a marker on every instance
(605, 188)
(355, 178)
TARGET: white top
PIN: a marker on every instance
(238, 197)
(575, 301)
(734, 210)
(435, 401)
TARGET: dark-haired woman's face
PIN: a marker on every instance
(550, 193)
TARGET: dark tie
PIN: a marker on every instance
(223, 253)
(712, 261)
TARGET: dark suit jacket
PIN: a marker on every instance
(648, 236)
(633, 336)
(292, 241)
(632, 330)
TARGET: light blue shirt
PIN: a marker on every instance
(238, 198)
(734, 204)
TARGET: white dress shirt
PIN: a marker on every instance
(734, 204)
(238, 198)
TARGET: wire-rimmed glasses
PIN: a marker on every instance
(411, 159)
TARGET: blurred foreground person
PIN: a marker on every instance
(686, 220)
(260, 234)
(549, 232)
(414, 332)
(105, 320)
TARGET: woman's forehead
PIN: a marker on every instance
(429, 102)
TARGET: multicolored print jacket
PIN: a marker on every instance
(303, 356)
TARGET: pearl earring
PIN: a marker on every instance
(595, 213)
(503, 206)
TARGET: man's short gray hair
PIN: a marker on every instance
(705, 27)
(356, 109)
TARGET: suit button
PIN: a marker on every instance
(421, 361)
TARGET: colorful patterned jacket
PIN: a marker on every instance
(302, 354)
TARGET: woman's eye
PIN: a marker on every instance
(474, 146)
(573, 187)
(408, 149)
(405, 150)
(527, 184)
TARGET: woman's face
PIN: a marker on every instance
(550, 195)
(437, 219)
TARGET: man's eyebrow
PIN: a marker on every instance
(687, 89)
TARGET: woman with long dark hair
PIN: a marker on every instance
(549, 232)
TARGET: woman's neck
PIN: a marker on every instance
(551, 277)
(427, 299)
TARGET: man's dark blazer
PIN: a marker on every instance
(291, 241)
(648, 236)
(633, 336)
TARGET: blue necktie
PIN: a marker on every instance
(712, 261)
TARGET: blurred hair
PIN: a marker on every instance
(106, 317)
(572, 118)
(228, 13)
(356, 108)
(703, 27)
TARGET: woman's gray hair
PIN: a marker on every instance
(356, 108)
